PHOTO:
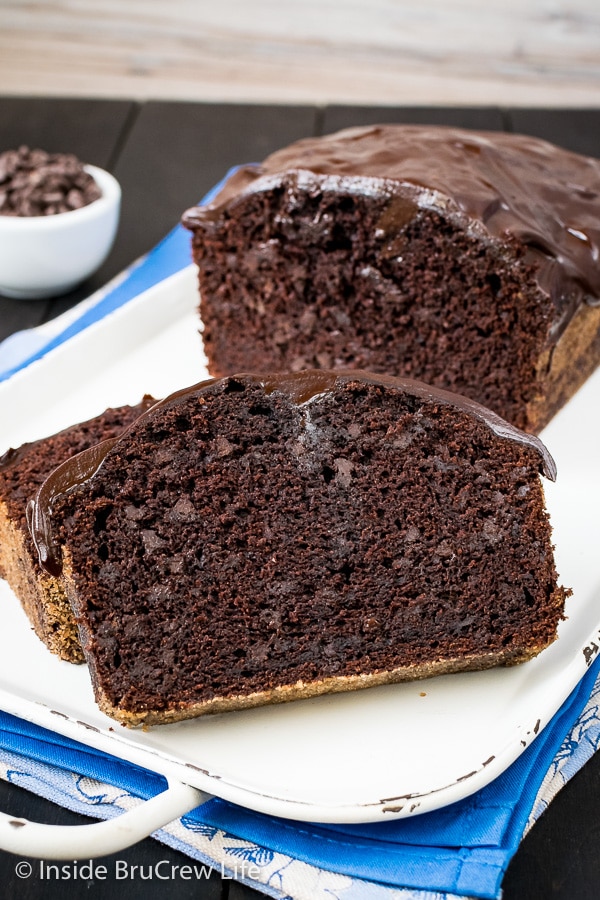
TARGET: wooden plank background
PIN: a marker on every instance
(390, 52)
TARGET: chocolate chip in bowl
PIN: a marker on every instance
(58, 221)
(37, 183)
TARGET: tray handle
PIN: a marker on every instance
(39, 841)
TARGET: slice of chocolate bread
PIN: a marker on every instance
(467, 260)
(258, 539)
(22, 471)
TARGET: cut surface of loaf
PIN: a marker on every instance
(257, 539)
(22, 471)
(464, 259)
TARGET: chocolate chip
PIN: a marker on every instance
(36, 183)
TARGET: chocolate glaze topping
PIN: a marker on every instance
(301, 388)
(515, 186)
(73, 471)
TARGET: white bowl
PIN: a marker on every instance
(43, 256)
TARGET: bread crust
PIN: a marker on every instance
(305, 690)
(566, 366)
(42, 596)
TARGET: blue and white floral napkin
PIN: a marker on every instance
(461, 850)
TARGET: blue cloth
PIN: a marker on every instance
(463, 849)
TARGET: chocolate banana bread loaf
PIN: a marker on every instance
(258, 539)
(22, 471)
(467, 260)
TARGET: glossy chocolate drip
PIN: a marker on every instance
(300, 388)
(514, 186)
(73, 471)
(303, 387)
(10, 456)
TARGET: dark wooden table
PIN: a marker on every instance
(166, 156)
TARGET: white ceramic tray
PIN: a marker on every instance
(366, 756)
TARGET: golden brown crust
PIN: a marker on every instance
(42, 597)
(302, 690)
(565, 366)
